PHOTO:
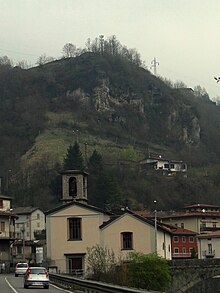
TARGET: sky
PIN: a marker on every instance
(183, 35)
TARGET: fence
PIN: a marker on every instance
(88, 286)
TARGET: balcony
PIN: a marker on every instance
(182, 255)
(208, 229)
(7, 235)
(208, 254)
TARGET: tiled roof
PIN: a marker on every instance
(25, 210)
(191, 215)
(210, 235)
(77, 203)
(200, 205)
(178, 230)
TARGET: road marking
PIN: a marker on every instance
(12, 288)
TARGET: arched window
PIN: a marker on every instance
(72, 187)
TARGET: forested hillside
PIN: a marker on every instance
(111, 105)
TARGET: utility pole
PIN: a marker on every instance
(23, 230)
(154, 64)
(155, 226)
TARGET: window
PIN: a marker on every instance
(175, 239)
(176, 250)
(191, 239)
(19, 250)
(75, 228)
(127, 240)
(183, 238)
(2, 227)
(182, 225)
(38, 225)
(1, 203)
(172, 166)
(183, 250)
(72, 187)
(166, 166)
(38, 216)
(214, 225)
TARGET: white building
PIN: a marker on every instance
(209, 245)
(31, 221)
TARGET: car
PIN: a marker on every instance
(36, 276)
(21, 268)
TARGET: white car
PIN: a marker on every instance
(21, 268)
(36, 276)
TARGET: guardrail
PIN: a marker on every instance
(91, 286)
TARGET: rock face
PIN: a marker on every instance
(177, 121)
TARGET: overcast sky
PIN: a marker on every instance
(183, 35)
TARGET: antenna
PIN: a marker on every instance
(154, 65)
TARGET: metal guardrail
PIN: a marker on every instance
(91, 286)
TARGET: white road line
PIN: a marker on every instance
(12, 288)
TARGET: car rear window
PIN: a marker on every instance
(22, 265)
(37, 271)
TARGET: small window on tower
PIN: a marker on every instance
(72, 187)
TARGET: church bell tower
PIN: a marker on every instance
(74, 186)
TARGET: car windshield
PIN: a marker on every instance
(37, 271)
(22, 265)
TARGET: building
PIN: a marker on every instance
(209, 245)
(200, 218)
(75, 226)
(31, 251)
(7, 231)
(30, 222)
(163, 166)
(183, 243)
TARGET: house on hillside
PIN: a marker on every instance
(162, 166)
(201, 218)
(7, 231)
(75, 226)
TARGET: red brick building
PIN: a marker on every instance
(183, 242)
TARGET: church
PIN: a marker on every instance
(74, 226)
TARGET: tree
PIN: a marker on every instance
(73, 159)
(69, 50)
(43, 59)
(5, 61)
(100, 261)
(95, 162)
(148, 271)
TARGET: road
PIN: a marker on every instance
(11, 284)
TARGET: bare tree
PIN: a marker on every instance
(23, 64)
(5, 61)
(43, 59)
(69, 50)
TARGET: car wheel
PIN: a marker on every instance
(16, 275)
(25, 286)
(46, 287)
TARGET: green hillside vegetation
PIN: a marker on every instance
(112, 105)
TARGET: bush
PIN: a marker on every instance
(148, 272)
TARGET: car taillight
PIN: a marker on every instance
(28, 273)
(16, 266)
(47, 275)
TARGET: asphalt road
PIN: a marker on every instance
(11, 284)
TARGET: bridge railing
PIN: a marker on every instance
(82, 285)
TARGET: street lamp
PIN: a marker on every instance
(155, 227)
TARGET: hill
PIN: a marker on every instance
(107, 103)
